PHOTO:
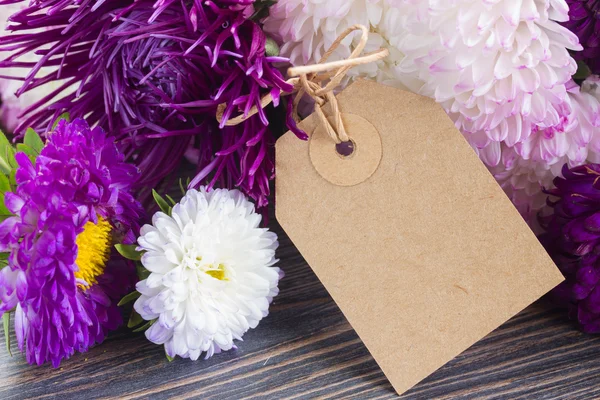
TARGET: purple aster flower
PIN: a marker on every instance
(572, 238)
(584, 21)
(69, 207)
(153, 73)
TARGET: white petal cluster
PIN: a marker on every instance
(212, 273)
(574, 142)
(307, 28)
(499, 67)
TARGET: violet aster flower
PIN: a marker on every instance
(153, 73)
(69, 207)
(584, 21)
(572, 238)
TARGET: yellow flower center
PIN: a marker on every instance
(218, 273)
(93, 250)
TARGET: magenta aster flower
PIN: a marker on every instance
(572, 238)
(69, 207)
(584, 21)
(153, 73)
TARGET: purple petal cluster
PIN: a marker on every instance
(153, 74)
(79, 176)
(572, 238)
(584, 21)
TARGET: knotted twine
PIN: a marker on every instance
(308, 80)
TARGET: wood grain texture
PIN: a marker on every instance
(305, 349)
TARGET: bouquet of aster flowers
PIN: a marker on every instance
(103, 101)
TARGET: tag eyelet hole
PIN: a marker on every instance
(346, 149)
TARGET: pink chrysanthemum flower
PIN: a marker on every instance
(307, 28)
(574, 141)
(498, 68)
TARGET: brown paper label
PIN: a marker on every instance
(411, 236)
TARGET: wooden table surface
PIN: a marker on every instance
(306, 349)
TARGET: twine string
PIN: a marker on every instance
(308, 80)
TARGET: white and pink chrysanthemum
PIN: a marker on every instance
(574, 141)
(307, 28)
(499, 67)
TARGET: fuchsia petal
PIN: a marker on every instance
(78, 175)
(153, 72)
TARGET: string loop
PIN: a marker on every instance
(308, 80)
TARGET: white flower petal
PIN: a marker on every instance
(158, 334)
(212, 275)
(156, 262)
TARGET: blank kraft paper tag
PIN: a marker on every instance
(411, 235)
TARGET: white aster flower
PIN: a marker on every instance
(212, 275)
(499, 67)
(307, 28)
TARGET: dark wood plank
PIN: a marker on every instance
(306, 349)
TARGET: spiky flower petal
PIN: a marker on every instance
(153, 73)
(572, 238)
(584, 21)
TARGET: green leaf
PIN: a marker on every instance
(583, 71)
(33, 140)
(27, 150)
(134, 319)
(262, 9)
(181, 187)
(4, 211)
(5, 187)
(4, 260)
(271, 48)
(4, 166)
(64, 116)
(129, 298)
(162, 203)
(6, 323)
(142, 272)
(12, 178)
(129, 251)
(173, 202)
(145, 326)
(169, 358)
(4, 184)
(7, 155)
(4, 140)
